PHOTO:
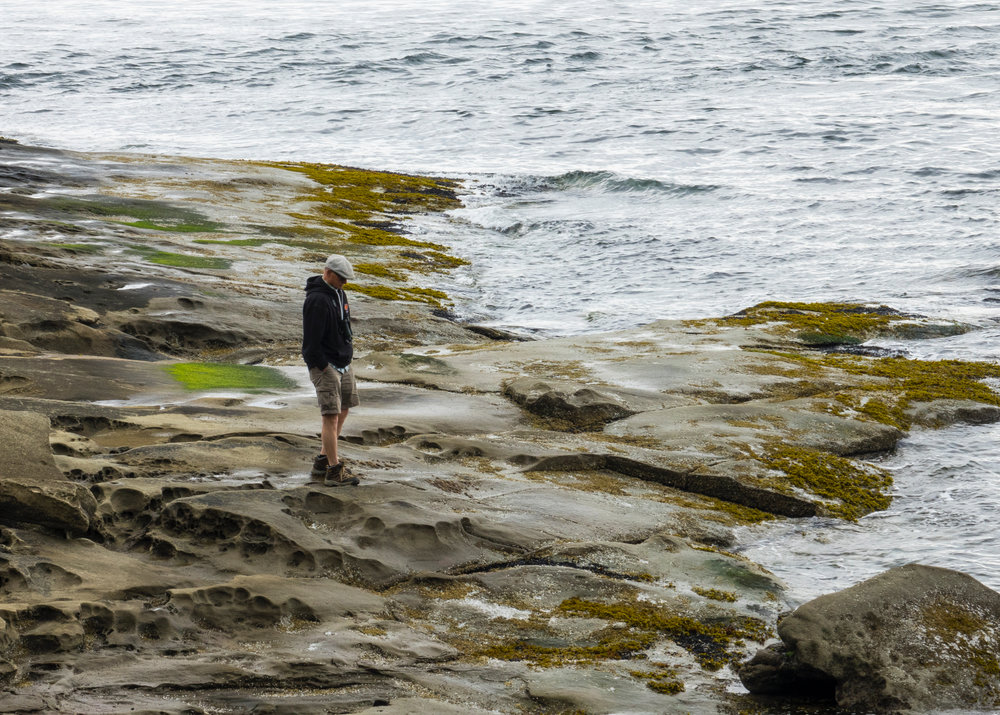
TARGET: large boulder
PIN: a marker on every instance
(915, 637)
(32, 490)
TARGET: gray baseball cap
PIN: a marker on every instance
(341, 266)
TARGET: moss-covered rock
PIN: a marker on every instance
(712, 643)
(849, 488)
(819, 324)
(892, 386)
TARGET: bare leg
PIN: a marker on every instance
(332, 426)
(340, 421)
(329, 437)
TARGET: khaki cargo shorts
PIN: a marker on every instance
(334, 392)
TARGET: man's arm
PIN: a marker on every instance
(315, 323)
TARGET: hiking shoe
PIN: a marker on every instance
(336, 476)
(318, 472)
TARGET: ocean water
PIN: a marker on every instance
(943, 514)
(623, 162)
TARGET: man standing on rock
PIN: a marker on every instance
(327, 347)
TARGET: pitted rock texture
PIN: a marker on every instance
(538, 521)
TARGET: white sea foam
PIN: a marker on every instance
(495, 610)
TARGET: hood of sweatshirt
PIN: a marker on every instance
(316, 283)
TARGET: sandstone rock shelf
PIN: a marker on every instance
(541, 526)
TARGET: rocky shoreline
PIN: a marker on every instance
(542, 526)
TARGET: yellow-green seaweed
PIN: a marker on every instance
(715, 594)
(379, 271)
(418, 295)
(711, 644)
(717, 509)
(352, 200)
(820, 323)
(854, 489)
(898, 383)
(359, 194)
(610, 646)
(964, 629)
(662, 680)
(361, 208)
(444, 260)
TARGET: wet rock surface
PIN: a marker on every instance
(541, 526)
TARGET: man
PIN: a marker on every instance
(327, 348)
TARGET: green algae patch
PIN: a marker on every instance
(218, 376)
(178, 228)
(147, 214)
(821, 323)
(183, 260)
(713, 644)
(78, 247)
(852, 489)
(180, 260)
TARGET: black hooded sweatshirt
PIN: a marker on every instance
(326, 326)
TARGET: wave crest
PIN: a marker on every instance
(612, 182)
